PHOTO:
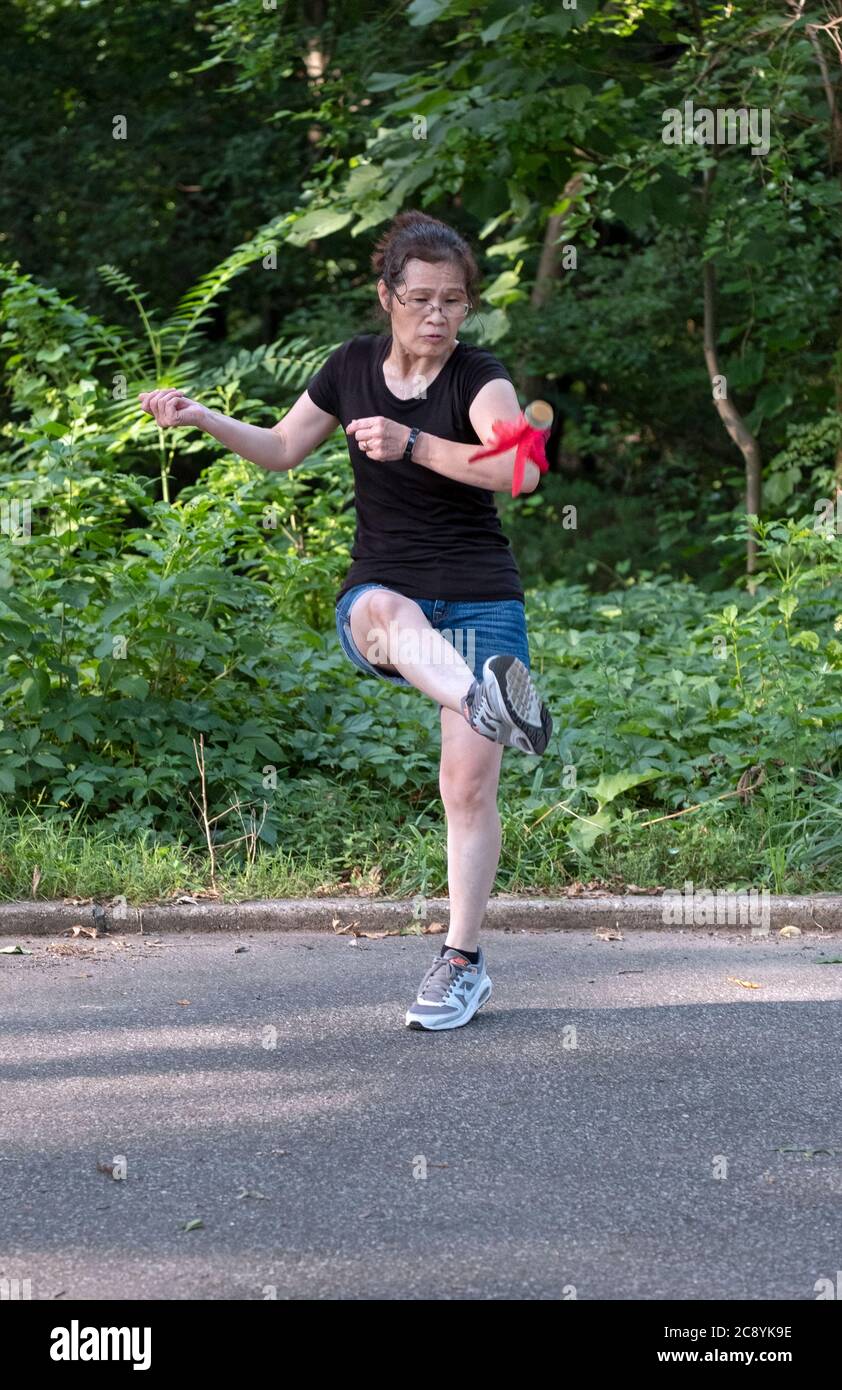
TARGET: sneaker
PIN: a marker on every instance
(451, 992)
(505, 706)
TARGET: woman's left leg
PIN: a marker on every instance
(468, 777)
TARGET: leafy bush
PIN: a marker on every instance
(134, 624)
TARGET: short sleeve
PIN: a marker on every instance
(324, 388)
(480, 367)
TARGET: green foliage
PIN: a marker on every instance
(807, 463)
(168, 591)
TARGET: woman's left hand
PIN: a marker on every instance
(380, 438)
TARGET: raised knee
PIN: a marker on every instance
(384, 607)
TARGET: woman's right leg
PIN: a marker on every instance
(391, 630)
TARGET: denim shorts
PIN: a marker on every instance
(476, 628)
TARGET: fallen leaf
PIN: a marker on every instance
(746, 984)
(197, 1224)
(246, 1192)
(36, 879)
(106, 1168)
(79, 930)
(789, 931)
(14, 951)
(238, 950)
(607, 935)
(596, 888)
(182, 1001)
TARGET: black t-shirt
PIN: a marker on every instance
(422, 534)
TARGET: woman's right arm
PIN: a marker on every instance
(304, 427)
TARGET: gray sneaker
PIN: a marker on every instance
(505, 706)
(451, 992)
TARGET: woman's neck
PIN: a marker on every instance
(403, 365)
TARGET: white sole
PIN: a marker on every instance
(519, 687)
(483, 995)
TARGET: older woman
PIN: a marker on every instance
(433, 598)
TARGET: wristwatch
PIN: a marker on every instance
(410, 444)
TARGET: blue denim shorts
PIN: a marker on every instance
(477, 628)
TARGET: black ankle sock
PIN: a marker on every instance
(472, 956)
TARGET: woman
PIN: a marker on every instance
(433, 598)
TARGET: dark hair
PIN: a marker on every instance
(415, 234)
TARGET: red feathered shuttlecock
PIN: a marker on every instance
(528, 434)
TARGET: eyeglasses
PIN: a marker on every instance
(452, 308)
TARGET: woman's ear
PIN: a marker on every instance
(384, 296)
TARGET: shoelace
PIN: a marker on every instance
(433, 975)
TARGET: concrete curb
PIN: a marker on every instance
(728, 912)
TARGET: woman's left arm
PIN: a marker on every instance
(385, 439)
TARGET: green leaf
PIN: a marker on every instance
(268, 747)
(557, 23)
(611, 785)
(585, 833)
(35, 690)
(495, 30)
(385, 81)
(318, 223)
(423, 12)
(47, 760)
(135, 687)
(575, 96)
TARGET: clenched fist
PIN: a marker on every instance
(380, 438)
(172, 408)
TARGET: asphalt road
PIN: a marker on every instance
(624, 1120)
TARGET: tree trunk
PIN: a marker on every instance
(315, 63)
(728, 412)
(537, 386)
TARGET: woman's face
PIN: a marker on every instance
(425, 331)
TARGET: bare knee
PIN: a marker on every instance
(467, 794)
(386, 607)
(375, 619)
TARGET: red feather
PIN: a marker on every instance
(529, 442)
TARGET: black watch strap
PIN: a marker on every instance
(410, 444)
